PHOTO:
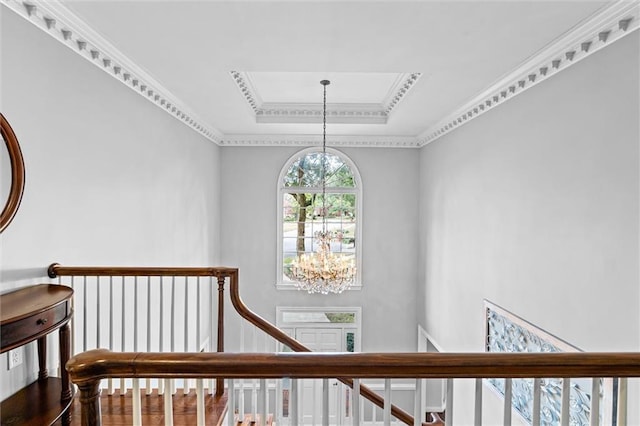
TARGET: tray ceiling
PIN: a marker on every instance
(403, 72)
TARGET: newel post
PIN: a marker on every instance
(90, 403)
(220, 380)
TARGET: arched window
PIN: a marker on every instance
(300, 208)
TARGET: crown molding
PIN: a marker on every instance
(245, 85)
(609, 24)
(58, 21)
(606, 26)
(399, 90)
(316, 140)
(312, 113)
(353, 113)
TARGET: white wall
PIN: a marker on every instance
(390, 184)
(110, 178)
(534, 206)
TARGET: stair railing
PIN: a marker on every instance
(296, 346)
(89, 368)
(126, 308)
(145, 285)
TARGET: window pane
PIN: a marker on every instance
(307, 172)
(341, 317)
(308, 316)
(338, 174)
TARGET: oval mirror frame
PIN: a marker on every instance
(17, 174)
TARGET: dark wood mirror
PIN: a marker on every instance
(11, 159)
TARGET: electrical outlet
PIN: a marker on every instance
(15, 358)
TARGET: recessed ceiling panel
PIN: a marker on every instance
(347, 88)
(357, 98)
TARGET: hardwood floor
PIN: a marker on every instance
(117, 409)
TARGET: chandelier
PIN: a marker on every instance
(324, 271)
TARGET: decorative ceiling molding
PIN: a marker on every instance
(58, 21)
(600, 30)
(352, 113)
(608, 25)
(312, 113)
(316, 140)
(402, 86)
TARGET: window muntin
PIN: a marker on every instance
(300, 207)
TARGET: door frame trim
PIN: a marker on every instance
(290, 326)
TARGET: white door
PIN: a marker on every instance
(310, 396)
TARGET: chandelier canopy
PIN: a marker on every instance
(324, 271)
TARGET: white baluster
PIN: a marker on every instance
(231, 403)
(301, 400)
(325, 402)
(123, 384)
(595, 402)
(168, 402)
(254, 400)
(186, 314)
(263, 401)
(135, 403)
(374, 417)
(477, 419)
(293, 402)
(148, 327)
(417, 404)
(566, 391)
(200, 402)
(161, 330)
(448, 421)
(386, 418)
(212, 326)
(267, 397)
(356, 402)
(535, 421)
(507, 402)
(172, 304)
(242, 384)
(173, 328)
(85, 326)
(98, 322)
(241, 405)
(135, 314)
(198, 337)
(254, 393)
(110, 386)
(187, 382)
(622, 401)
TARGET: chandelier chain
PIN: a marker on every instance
(324, 271)
(324, 159)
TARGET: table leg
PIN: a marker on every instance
(42, 358)
(65, 354)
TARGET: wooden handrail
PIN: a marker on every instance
(100, 364)
(55, 269)
(88, 368)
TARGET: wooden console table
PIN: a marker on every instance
(30, 314)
